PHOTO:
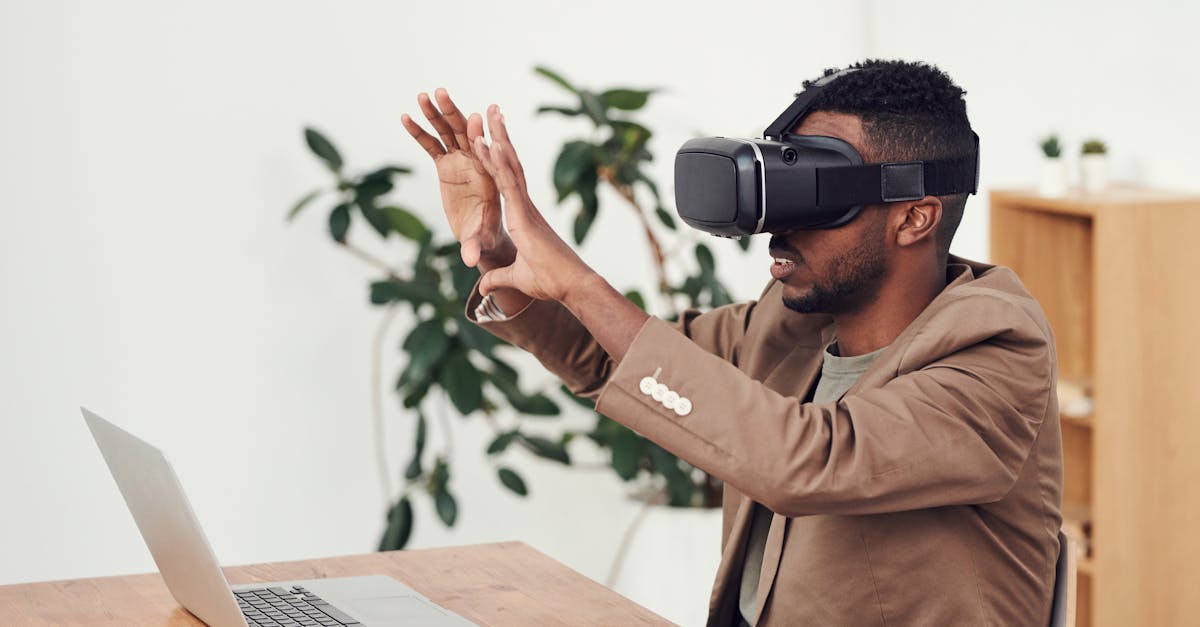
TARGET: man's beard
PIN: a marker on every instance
(856, 282)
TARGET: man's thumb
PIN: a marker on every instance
(496, 279)
(470, 251)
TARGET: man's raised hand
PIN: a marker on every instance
(469, 195)
(545, 268)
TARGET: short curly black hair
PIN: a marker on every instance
(910, 111)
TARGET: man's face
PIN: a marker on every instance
(833, 270)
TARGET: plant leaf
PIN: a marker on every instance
(414, 466)
(512, 481)
(573, 160)
(563, 110)
(579, 400)
(704, 257)
(625, 99)
(473, 336)
(384, 292)
(504, 378)
(501, 442)
(550, 74)
(679, 485)
(665, 218)
(462, 383)
(323, 148)
(593, 107)
(399, 526)
(636, 298)
(536, 405)
(627, 450)
(386, 172)
(447, 507)
(406, 223)
(589, 207)
(547, 449)
(299, 206)
(426, 344)
(417, 393)
(339, 222)
(463, 278)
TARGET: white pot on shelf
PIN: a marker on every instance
(672, 561)
(1093, 172)
(1054, 177)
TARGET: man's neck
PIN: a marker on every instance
(879, 322)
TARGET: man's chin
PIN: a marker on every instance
(799, 299)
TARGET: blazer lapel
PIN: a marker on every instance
(773, 551)
(771, 555)
(722, 601)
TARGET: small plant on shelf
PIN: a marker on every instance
(1051, 147)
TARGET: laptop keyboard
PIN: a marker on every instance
(277, 607)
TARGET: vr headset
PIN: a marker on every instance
(736, 187)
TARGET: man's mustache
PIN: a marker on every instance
(779, 243)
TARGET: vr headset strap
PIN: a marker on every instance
(848, 186)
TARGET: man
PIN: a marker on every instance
(883, 417)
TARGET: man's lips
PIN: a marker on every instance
(785, 263)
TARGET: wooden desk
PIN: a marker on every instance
(508, 583)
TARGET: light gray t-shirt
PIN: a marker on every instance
(838, 374)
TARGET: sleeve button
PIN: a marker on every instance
(659, 392)
(647, 385)
(683, 406)
(672, 397)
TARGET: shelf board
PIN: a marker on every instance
(1078, 202)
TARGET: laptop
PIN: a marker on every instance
(190, 569)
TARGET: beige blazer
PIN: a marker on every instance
(930, 494)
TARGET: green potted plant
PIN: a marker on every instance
(453, 366)
(1053, 180)
(1093, 166)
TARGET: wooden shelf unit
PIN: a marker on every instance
(1118, 275)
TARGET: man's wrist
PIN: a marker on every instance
(584, 287)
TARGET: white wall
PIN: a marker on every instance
(1122, 71)
(148, 153)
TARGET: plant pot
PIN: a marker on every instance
(1054, 177)
(1093, 172)
(671, 562)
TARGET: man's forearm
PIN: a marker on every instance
(611, 318)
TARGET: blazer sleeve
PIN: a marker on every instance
(553, 335)
(955, 429)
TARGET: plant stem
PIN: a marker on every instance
(369, 258)
(657, 498)
(656, 249)
(448, 451)
(381, 459)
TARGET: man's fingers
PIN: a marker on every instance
(474, 127)
(438, 121)
(474, 132)
(500, 136)
(496, 279)
(497, 166)
(453, 116)
(427, 141)
(484, 157)
(471, 250)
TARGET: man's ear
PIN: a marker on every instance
(917, 220)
